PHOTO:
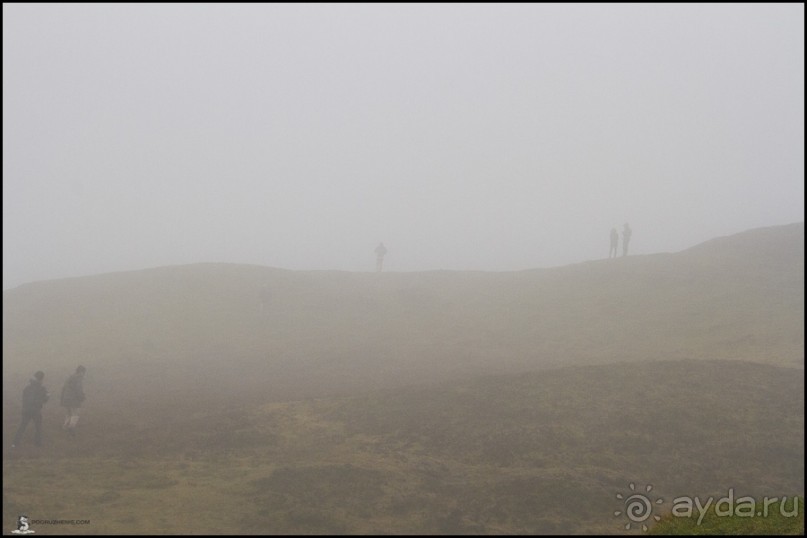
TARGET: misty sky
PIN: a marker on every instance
(465, 137)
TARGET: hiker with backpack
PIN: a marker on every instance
(34, 397)
(72, 398)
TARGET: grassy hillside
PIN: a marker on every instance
(430, 403)
(204, 327)
(537, 453)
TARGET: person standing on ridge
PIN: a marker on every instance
(380, 251)
(72, 398)
(34, 397)
(626, 233)
(614, 243)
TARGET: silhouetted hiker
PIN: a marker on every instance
(614, 243)
(34, 397)
(625, 239)
(72, 398)
(380, 251)
(265, 297)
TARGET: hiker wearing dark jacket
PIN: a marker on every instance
(72, 398)
(34, 397)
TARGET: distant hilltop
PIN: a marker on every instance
(780, 242)
(739, 297)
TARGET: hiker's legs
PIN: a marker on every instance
(37, 429)
(72, 418)
(26, 418)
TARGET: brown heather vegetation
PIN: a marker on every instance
(429, 403)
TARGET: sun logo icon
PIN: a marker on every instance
(638, 507)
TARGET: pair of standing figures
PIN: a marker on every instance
(626, 233)
(34, 397)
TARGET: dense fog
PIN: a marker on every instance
(463, 137)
